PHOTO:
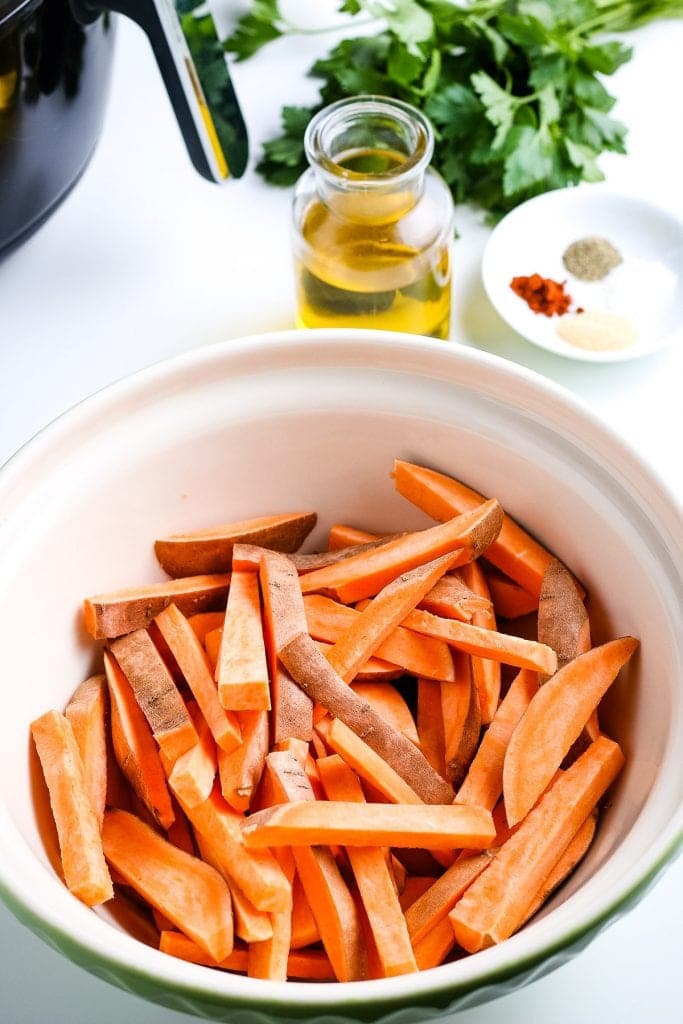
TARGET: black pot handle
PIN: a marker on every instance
(195, 72)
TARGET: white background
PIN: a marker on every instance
(145, 260)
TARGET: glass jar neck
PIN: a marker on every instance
(369, 155)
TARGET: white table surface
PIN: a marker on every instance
(145, 260)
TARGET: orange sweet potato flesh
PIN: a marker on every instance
(309, 965)
(514, 551)
(241, 669)
(78, 829)
(155, 692)
(369, 765)
(119, 612)
(87, 712)
(240, 769)
(387, 701)
(439, 899)
(553, 721)
(373, 878)
(497, 903)
(510, 601)
(485, 643)
(486, 673)
(210, 550)
(420, 826)
(187, 891)
(565, 864)
(189, 655)
(364, 575)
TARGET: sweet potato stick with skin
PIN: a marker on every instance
(185, 889)
(553, 721)
(510, 601)
(241, 669)
(326, 891)
(321, 559)
(366, 763)
(316, 676)
(121, 611)
(78, 830)
(256, 872)
(459, 761)
(563, 622)
(309, 965)
(564, 625)
(496, 904)
(210, 551)
(183, 644)
(284, 617)
(240, 770)
(419, 826)
(86, 711)
(330, 621)
(191, 776)
(483, 783)
(485, 643)
(364, 575)
(485, 672)
(455, 700)
(137, 755)
(373, 878)
(434, 905)
(388, 702)
(513, 551)
(155, 692)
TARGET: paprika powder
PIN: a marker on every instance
(542, 294)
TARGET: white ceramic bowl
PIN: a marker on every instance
(314, 420)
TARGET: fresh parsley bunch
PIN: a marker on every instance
(513, 87)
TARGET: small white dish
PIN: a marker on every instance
(647, 287)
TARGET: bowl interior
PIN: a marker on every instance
(288, 424)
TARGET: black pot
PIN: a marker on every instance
(55, 64)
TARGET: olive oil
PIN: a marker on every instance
(373, 227)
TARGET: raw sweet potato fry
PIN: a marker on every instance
(121, 611)
(430, 724)
(80, 846)
(355, 633)
(564, 625)
(251, 925)
(456, 698)
(240, 770)
(433, 949)
(424, 826)
(284, 617)
(485, 643)
(483, 784)
(373, 878)
(317, 677)
(364, 575)
(183, 644)
(553, 720)
(343, 536)
(497, 902)
(486, 673)
(434, 905)
(189, 892)
(510, 601)
(192, 774)
(311, 965)
(326, 891)
(155, 692)
(205, 622)
(365, 762)
(458, 761)
(305, 931)
(306, 563)
(514, 551)
(136, 752)
(388, 702)
(241, 670)
(255, 872)
(572, 855)
(210, 551)
(86, 711)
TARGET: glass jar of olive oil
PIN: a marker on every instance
(373, 223)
